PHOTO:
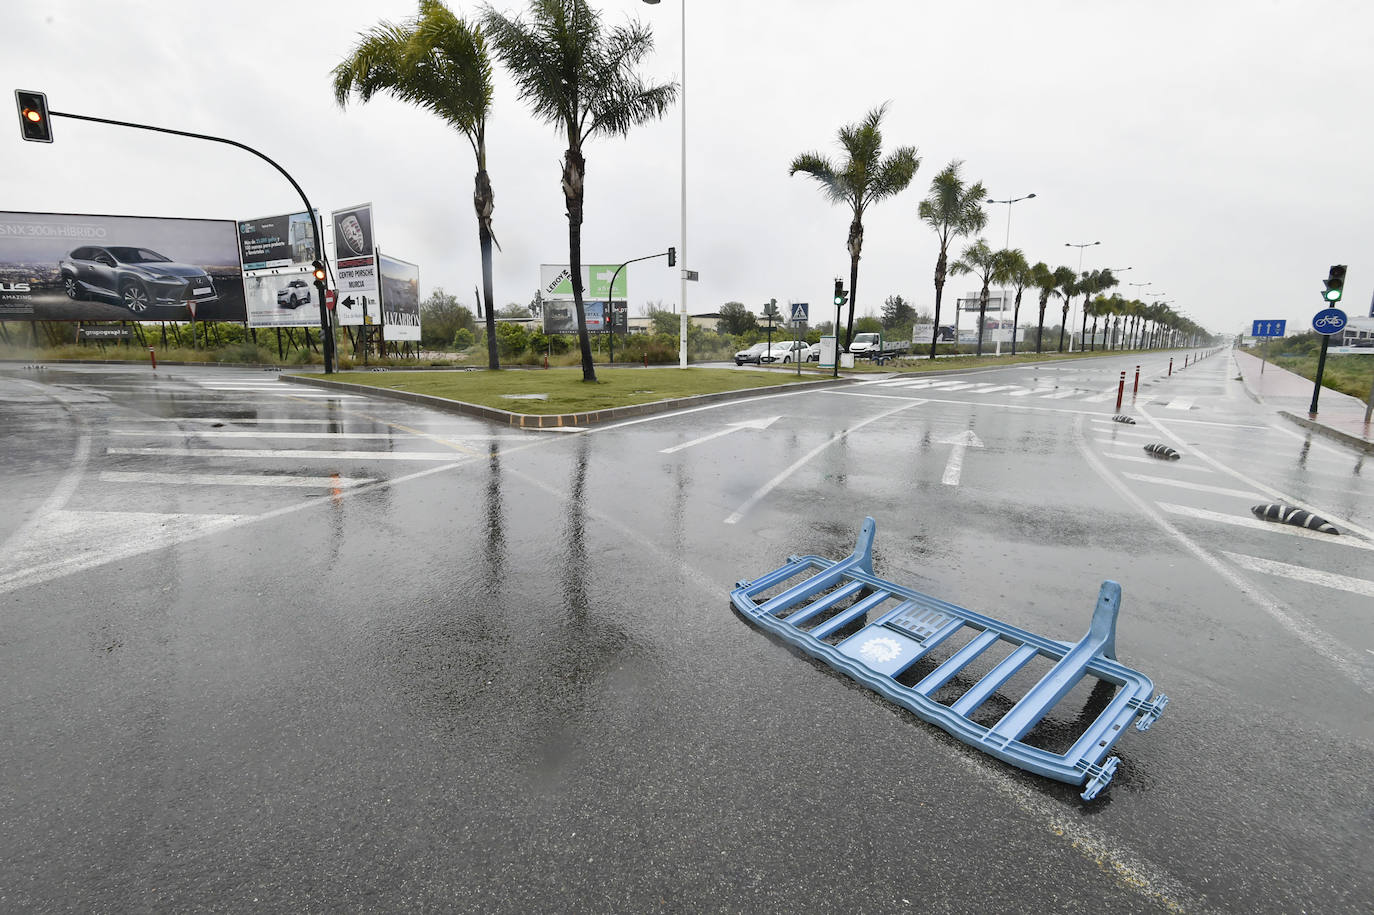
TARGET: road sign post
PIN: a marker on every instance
(1327, 322)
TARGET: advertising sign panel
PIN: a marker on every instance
(71, 267)
(355, 254)
(281, 297)
(556, 281)
(400, 298)
(560, 317)
(277, 241)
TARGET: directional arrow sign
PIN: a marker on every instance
(731, 427)
(347, 302)
(961, 441)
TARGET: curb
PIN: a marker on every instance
(1346, 437)
(559, 420)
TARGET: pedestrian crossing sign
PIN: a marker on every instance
(799, 310)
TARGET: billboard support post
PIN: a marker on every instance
(319, 234)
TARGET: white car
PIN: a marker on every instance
(296, 293)
(813, 353)
(784, 351)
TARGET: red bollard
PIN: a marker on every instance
(153, 356)
(1120, 391)
(1135, 389)
(1171, 365)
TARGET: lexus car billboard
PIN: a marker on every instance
(400, 298)
(69, 267)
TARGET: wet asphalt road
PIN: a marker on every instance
(287, 650)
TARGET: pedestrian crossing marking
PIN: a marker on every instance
(1305, 575)
(232, 479)
(1253, 523)
(304, 455)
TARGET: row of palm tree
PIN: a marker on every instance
(575, 75)
(954, 210)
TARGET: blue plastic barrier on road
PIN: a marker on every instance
(878, 633)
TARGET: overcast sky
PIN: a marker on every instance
(1219, 149)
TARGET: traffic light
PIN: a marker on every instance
(841, 297)
(1335, 283)
(319, 272)
(672, 257)
(34, 124)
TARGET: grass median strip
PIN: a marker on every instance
(564, 390)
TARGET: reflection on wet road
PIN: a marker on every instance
(292, 649)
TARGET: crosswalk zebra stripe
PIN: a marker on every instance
(1026, 392)
(1061, 395)
(1155, 461)
(1304, 575)
(1180, 403)
(231, 479)
(303, 454)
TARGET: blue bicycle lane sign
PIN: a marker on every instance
(1329, 321)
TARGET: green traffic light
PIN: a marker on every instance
(1333, 295)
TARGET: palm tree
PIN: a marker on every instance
(1048, 282)
(581, 79)
(438, 62)
(1089, 285)
(987, 264)
(864, 179)
(1068, 288)
(952, 210)
(1016, 273)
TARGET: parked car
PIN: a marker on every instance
(296, 294)
(752, 354)
(133, 277)
(784, 351)
(813, 353)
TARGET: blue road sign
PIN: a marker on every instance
(1268, 329)
(1329, 321)
(799, 311)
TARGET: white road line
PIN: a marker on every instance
(1121, 430)
(1061, 395)
(1026, 392)
(1304, 575)
(1142, 400)
(305, 455)
(796, 465)
(1204, 422)
(233, 479)
(1176, 465)
(960, 386)
(998, 387)
(1272, 527)
(222, 433)
(1269, 491)
(945, 384)
(1315, 639)
(1197, 487)
(1180, 403)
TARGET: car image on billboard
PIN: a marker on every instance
(133, 277)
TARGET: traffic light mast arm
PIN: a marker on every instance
(610, 296)
(319, 234)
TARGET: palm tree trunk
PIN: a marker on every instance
(982, 316)
(1063, 320)
(1083, 334)
(1015, 321)
(1094, 341)
(940, 266)
(1040, 324)
(482, 201)
(856, 243)
(574, 170)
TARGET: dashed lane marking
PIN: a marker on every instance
(1304, 575)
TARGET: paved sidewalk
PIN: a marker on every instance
(1338, 416)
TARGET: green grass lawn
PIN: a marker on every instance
(564, 391)
(1348, 374)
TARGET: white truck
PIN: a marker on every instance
(872, 346)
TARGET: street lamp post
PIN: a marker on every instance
(682, 240)
(1007, 244)
(1139, 286)
(1069, 244)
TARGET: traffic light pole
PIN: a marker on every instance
(610, 293)
(326, 328)
(1321, 367)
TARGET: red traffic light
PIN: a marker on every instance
(34, 124)
(319, 272)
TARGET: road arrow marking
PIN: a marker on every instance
(730, 427)
(961, 441)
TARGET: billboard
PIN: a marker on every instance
(75, 267)
(555, 280)
(400, 298)
(277, 241)
(281, 297)
(560, 317)
(355, 257)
